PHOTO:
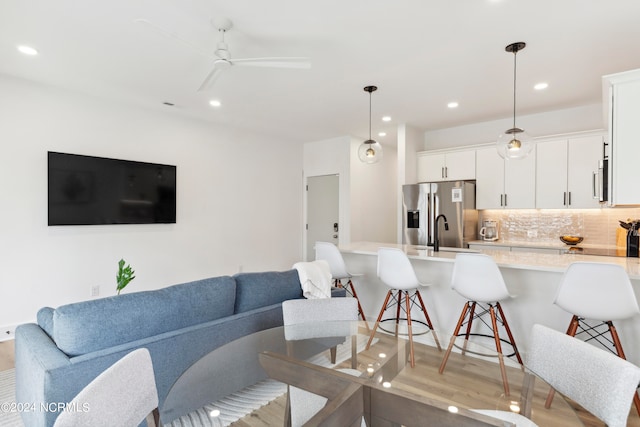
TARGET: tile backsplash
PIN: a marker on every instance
(597, 226)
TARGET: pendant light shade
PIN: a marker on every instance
(514, 143)
(370, 151)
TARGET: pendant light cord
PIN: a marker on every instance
(369, 116)
(515, 56)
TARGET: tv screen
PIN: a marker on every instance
(85, 190)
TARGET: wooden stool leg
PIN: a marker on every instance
(355, 295)
(412, 358)
(426, 315)
(469, 322)
(571, 331)
(453, 337)
(399, 301)
(382, 310)
(496, 336)
(508, 329)
(618, 345)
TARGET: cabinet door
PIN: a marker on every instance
(431, 167)
(584, 155)
(489, 179)
(460, 165)
(520, 182)
(551, 175)
(625, 148)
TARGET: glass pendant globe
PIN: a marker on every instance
(514, 143)
(370, 152)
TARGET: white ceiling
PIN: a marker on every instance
(420, 53)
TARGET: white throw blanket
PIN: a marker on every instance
(315, 278)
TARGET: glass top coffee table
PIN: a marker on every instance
(387, 392)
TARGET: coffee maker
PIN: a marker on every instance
(489, 230)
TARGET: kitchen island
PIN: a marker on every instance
(531, 277)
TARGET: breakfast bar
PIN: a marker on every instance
(532, 278)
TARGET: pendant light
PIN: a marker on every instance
(370, 151)
(514, 143)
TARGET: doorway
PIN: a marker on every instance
(322, 211)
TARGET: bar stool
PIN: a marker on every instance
(477, 278)
(330, 253)
(601, 293)
(395, 271)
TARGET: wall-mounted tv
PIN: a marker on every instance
(85, 190)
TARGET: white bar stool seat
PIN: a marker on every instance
(477, 278)
(599, 292)
(395, 271)
(330, 253)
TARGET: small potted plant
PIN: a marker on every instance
(124, 276)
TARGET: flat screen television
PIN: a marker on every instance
(86, 190)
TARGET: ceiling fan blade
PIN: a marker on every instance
(275, 62)
(169, 34)
(210, 79)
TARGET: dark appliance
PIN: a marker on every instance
(86, 190)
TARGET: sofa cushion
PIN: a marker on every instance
(93, 325)
(254, 290)
(45, 320)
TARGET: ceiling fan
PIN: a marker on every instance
(221, 57)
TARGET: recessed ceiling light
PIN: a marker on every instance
(27, 50)
(386, 119)
(382, 134)
(541, 86)
(215, 103)
(452, 104)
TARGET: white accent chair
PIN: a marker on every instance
(597, 292)
(330, 253)
(477, 278)
(301, 404)
(599, 381)
(123, 395)
(395, 271)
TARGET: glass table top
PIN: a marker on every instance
(301, 355)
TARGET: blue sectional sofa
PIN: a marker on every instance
(69, 346)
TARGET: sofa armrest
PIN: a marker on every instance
(35, 356)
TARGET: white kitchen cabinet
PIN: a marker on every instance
(566, 173)
(504, 183)
(449, 166)
(622, 98)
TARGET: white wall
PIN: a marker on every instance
(374, 196)
(587, 117)
(239, 200)
(330, 157)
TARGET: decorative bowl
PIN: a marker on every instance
(571, 240)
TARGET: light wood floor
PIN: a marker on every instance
(416, 379)
(469, 372)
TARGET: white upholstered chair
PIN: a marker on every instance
(596, 294)
(124, 395)
(395, 271)
(330, 253)
(477, 278)
(341, 315)
(596, 379)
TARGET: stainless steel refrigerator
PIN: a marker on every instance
(423, 203)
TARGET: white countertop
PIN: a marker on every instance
(517, 260)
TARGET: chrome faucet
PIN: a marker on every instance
(436, 240)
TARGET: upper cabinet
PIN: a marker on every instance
(504, 183)
(622, 98)
(567, 173)
(448, 166)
